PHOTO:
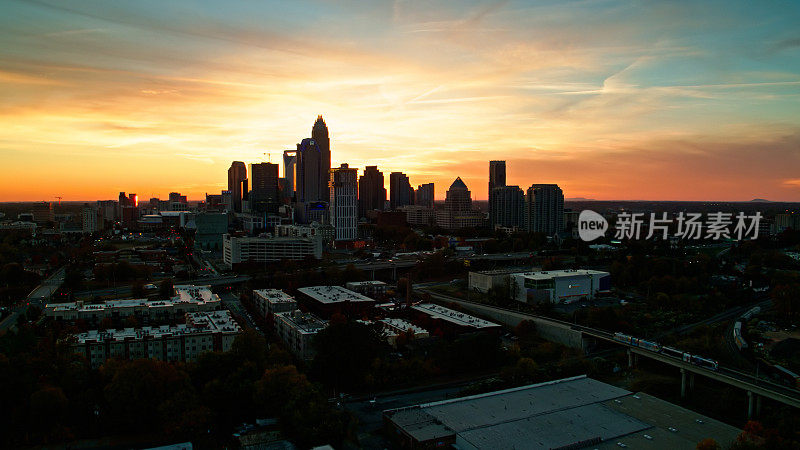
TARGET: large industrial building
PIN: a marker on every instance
(202, 332)
(571, 413)
(486, 280)
(186, 299)
(558, 286)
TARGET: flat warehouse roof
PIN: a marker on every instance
(574, 412)
(333, 294)
(549, 274)
(453, 316)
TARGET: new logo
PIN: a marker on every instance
(591, 225)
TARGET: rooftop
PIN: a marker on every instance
(366, 283)
(306, 323)
(183, 294)
(569, 413)
(548, 274)
(274, 295)
(455, 317)
(404, 326)
(333, 294)
(196, 323)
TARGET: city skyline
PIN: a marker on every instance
(610, 100)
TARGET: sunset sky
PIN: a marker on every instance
(683, 100)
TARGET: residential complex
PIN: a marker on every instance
(271, 301)
(187, 299)
(202, 332)
(297, 330)
(327, 300)
(370, 288)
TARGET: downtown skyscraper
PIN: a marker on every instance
(289, 164)
(313, 164)
(237, 183)
(371, 191)
(312, 173)
(424, 195)
(400, 191)
(263, 196)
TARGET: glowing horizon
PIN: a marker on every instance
(610, 99)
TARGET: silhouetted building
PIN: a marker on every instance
(371, 193)
(497, 178)
(43, 212)
(544, 209)
(263, 195)
(237, 175)
(458, 212)
(320, 135)
(424, 195)
(344, 202)
(507, 208)
(289, 164)
(400, 190)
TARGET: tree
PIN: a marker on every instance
(344, 353)
(787, 299)
(137, 290)
(708, 444)
(135, 390)
(165, 289)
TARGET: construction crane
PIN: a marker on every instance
(59, 200)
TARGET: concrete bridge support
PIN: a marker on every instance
(683, 383)
(633, 359)
(753, 405)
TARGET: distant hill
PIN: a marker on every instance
(760, 200)
(579, 199)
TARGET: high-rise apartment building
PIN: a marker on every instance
(497, 178)
(343, 202)
(507, 207)
(90, 219)
(400, 190)
(371, 191)
(544, 209)
(424, 195)
(263, 196)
